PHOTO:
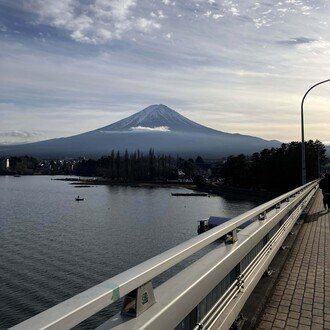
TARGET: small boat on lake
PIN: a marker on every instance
(79, 199)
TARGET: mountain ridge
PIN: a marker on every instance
(158, 127)
(157, 115)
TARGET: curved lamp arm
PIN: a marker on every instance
(303, 153)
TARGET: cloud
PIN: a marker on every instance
(159, 14)
(150, 129)
(141, 129)
(217, 16)
(259, 22)
(18, 134)
(101, 21)
(306, 8)
(94, 22)
(12, 137)
(146, 25)
(234, 11)
(3, 28)
(296, 41)
(316, 46)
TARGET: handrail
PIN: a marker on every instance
(78, 308)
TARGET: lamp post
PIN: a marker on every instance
(303, 151)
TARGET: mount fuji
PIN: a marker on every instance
(157, 127)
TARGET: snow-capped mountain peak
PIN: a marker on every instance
(152, 117)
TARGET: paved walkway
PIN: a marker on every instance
(301, 297)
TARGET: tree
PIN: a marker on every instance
(126, 164)
(199, 181)
(151, 160)
(276, 169)
(117, 162)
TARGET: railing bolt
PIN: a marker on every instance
(200, 325)
(238, 323)
(269, 272)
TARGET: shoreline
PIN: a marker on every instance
(220, 190)
(240, 193)
(211, 189)
(132, 184)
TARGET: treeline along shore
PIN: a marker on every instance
(276, 169)
(116, 167)
(272, 170)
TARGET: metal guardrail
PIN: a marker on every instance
(202, 291)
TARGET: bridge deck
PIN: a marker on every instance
(301, 297)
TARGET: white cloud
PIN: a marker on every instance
(140, 129)
(317, 47)
(15, 137)
(20, 134)
(234, 11)
(217, 16)
(160, 14)
(256, 74)
(306, 8)
(259, 22)
(119, 10)
(100, 21)
(95, 22)
(146, 25)
(150, 129)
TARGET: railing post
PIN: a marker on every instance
(262, 216)
(139, 300)
(231, 237)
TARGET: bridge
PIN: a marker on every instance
(220, 288)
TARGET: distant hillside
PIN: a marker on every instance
(157, 127)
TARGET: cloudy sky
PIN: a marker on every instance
(70, 66)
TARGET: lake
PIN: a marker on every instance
(52, 247)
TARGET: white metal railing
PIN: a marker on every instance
(181, 297)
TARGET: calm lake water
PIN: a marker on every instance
(52, 247)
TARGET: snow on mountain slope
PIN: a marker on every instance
(155, 116)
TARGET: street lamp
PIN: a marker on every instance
(303, 152)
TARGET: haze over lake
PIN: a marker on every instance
(52, 247)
